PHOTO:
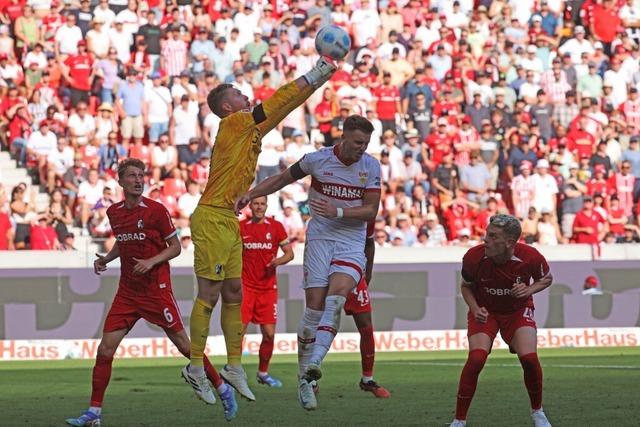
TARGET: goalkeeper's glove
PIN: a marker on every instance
(321, 72)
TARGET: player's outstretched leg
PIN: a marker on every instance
(306, 338)
(233, 330)
(367, 356)
(265, 353)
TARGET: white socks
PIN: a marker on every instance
(327, 328)
(306, 337)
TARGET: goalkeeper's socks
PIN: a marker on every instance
(100, 379)
(306, 337)
(328, 327)
(469, 381)
(233, 330)
(367, 352)
(533, 379)
(199, 331)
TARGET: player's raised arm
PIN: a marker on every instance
(290, 96)
(271, 185)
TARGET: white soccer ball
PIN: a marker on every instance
(333, 41)
(73, 352)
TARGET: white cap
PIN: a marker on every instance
(532, 49)
(465, 232)
(288, 204)
(542, 163)
(185, 232)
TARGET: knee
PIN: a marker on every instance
(106, 350)
(268, 336)
(363, 321)
(476, 359)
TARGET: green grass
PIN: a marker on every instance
(583, 387)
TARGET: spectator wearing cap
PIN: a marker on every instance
(152, 34)
(588, 225)
(158, 108)
(266, 66)
(550, 24)
(446, 179)
(581, 142)
(40, 144)
(359, 96)
(105, 122)
(410, 173)
(601, 158)
(338, 121)
(415, 85)
(188, 158)
(438, 144)
(174, 57)
(89, 193)
(548, 233)
(545, 188)
(130, 102)
(577, 45)
(120, 40)
(541, 112)
(573, 191)
(110, 154)
(529, 89)
(419, 115)
(591, 83)
(222, 59)
(78, 71)
(184, 124)
(477, 111)
(97, 38)
(399, 68)
(531, 62)
(246, 21)
(630, 235)
(257, 48)
(183, 86)
(67, 37)
(103, 12)
(565, 112)
(43, 236)
(631, 110)
(385, 50)
(440, 62)
(591, 287)
(164, 159)
(618, 79)
(390, 19)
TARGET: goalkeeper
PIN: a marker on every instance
(214, 225)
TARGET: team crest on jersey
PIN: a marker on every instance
(140, 224)
(218, 268)
(363, 177)
(268, 236)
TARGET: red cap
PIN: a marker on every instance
(591, 282)
(44, 123)
(599, 168)
(526, 164)
(392, 4)
(620, 49)
(82, 43)
(466, 119)
(4, 56)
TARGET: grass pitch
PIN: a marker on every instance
(583, 387)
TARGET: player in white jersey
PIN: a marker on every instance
(344, 195)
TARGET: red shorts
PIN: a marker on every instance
(259, 307)
(507, 324)
(160, 309)
(358, 300)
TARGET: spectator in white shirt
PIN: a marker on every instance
(40, 144)
(545, 188)
(68, 36)
(188, 201)
(59, 161)
(184, 124)
(159, 107)
(89, 192)
(82, 126)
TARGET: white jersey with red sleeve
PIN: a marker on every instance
(344, 186)
(141, 233)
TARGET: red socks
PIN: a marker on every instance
(211, 372)
(265, 352)
(100, 379)
(469, 381)
(532, 379)
(367, 350)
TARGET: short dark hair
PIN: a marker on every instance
(216, 97)
(509, 224)
(131, 161)
(355, 122)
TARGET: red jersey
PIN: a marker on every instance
(263, 92)
(387, 98)
(43, 238)
(80, 70)
(324, 110)
(581, 143)
(141, 233)
(492, 283)
(440, 145)
(593, 220)
(5, 226)
(260, 246)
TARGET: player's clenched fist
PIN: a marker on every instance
(242, 202)
(481, 314)
(99, 265)
(520, 290)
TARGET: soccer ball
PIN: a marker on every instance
(333, 41)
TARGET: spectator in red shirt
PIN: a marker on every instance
(605, 23)
(438, 144)
(78, 72)
(43, 235)
(599, 183)
(324, 113)
(265, 90)
(581, 142)
(588, 224)
(387, 97)
(616, 218)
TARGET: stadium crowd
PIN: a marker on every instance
(485, 106)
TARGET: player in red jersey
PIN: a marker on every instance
(358, 305)
(498, 281)
(145, 242)
(261, 238)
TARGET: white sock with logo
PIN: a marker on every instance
(328, 327)
(306, 337)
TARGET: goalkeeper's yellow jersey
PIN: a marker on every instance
(238, 143)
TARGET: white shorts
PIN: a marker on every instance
(322, 258)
